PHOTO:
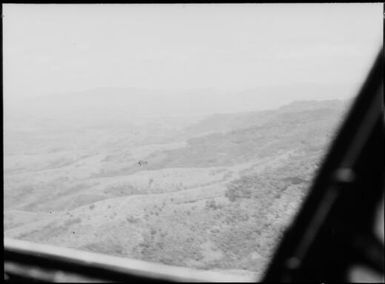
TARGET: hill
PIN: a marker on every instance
(216, 194)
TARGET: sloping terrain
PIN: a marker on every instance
(219, 200)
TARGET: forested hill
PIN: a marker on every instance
(239, 138)
(225, 122)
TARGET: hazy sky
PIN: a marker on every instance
(64, 48)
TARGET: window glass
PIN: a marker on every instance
(180, 134)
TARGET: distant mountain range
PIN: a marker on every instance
(133, 102)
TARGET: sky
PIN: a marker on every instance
(51, 49)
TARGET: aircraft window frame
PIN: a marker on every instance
(341, 181)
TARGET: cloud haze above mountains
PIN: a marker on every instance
(214, 49)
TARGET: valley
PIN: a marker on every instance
(212, 193)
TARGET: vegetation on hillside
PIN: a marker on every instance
(220, 200)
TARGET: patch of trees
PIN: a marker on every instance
(211, 204)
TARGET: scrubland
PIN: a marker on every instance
(214, 194)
